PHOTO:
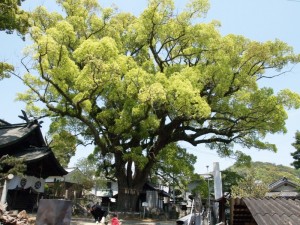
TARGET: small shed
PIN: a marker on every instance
(155, 197)
(66, 186)
(25, 141)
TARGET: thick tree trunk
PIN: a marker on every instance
(128, 200)
(131, 180)
(129, 193)
(130, 186)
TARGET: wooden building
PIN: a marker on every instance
(67, 186)
(25, 141)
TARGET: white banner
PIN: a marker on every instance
(25, 182)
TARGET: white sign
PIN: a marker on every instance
(145, 204)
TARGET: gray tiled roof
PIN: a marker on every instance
(274, 211)
(33, 154)
(3, 122)
(25, 141)
(12, 133)
(280, 182)
(283, 194)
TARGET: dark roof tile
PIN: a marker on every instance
(280, 182)
(274, 211)
(25, 141)
(11, 134)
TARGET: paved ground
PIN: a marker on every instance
(90, 221)
(125, 222)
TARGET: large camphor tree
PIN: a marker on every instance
(136, 87)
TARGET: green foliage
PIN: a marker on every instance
(230, 179)
(296, 154)
(11, 165)
(63, 142)
(86, 175)
(267, 173)
(175, 166)
(242, 159)
(5, 69)
(136, 85)
(249, 187)
(12, 17)
(64, 146)
(200, 186)
(253, 181)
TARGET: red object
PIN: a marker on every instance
(115, 221)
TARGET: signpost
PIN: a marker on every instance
(144, 204)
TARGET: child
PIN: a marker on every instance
(114, 220)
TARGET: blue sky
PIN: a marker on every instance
(259, 20)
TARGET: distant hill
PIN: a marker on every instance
(268, 172)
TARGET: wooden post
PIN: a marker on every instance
(66, 194)
(4, 192)
(5, 188)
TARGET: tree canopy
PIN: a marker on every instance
(296, 154)
(249, 187)
(87, 175)
(175, 166)
(62, 142)
(267, 173)
(134, 85)
(11, 165)
(12, 18)
(253, 180)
